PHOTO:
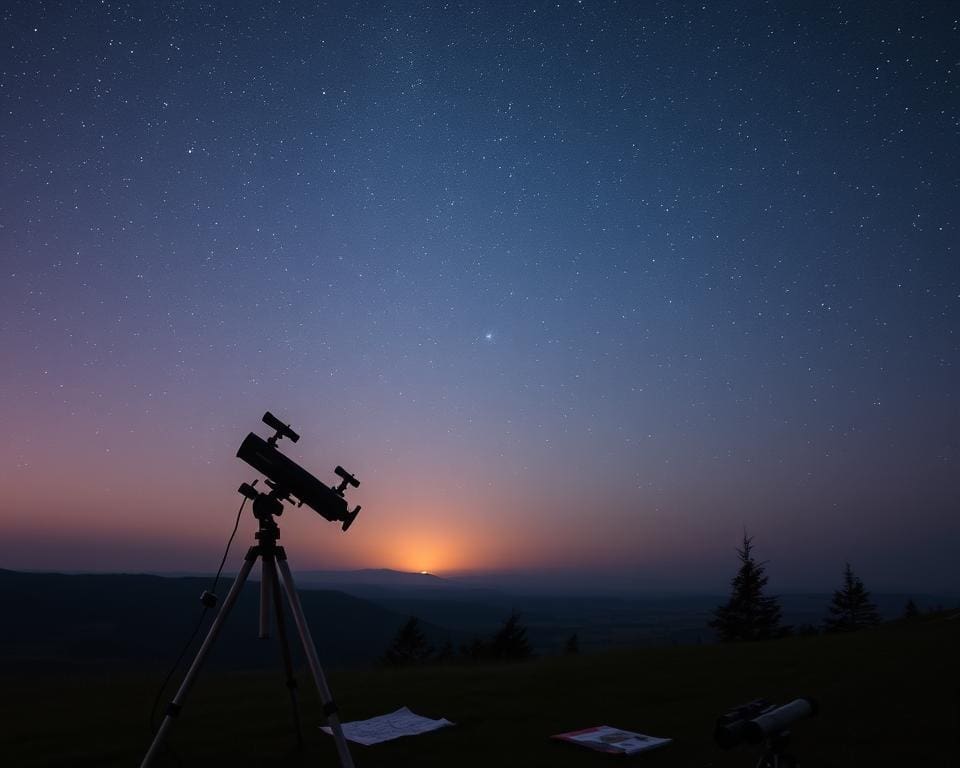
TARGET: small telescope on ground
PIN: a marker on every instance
(759, 721)
(291, 482)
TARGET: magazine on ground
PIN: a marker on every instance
(613, 740)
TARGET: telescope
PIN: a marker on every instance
(758, 721)
(291, 482)
(778, 719)
(287, 481)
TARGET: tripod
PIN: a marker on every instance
(775, 756)
(274, 572)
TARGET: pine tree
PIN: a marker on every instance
(510, 641)
(749, 614)
(851, 608)
(910, 610)
(409, 646)
(572, 646)
(475, 650)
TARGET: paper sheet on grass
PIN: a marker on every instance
(403, 722)
(614, 740)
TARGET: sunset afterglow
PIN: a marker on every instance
(591, 307)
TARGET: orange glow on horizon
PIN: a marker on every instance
(433, 552)
(426, 544)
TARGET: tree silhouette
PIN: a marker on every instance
(910, 610)
(409, 646)
(851, 608)
(475, 650)
(749, 614)
(510, 641)
(572, 645)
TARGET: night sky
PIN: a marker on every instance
(577, 287)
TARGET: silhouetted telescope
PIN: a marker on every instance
(289, 481)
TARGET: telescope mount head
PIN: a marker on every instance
(265, 505)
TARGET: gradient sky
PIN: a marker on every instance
(584, 287)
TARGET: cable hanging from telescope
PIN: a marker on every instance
(196, 629)
(226, 552)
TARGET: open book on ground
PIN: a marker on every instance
(614, 740)
(403, 722)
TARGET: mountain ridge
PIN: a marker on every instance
(146, 618)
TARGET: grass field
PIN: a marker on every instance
(889, 697)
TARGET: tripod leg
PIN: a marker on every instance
(173, 709)
(266, 592)
(329, 708)
(285, 647)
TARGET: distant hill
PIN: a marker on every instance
(147, 619)
(353, 616)
(378, 577)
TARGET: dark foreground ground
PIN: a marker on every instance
(889, 697)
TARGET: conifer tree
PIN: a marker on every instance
(748, 614)
(851, 608)
(572, 646)
(475, 650)
(910, 610)
(409, 646)
(510, 641)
